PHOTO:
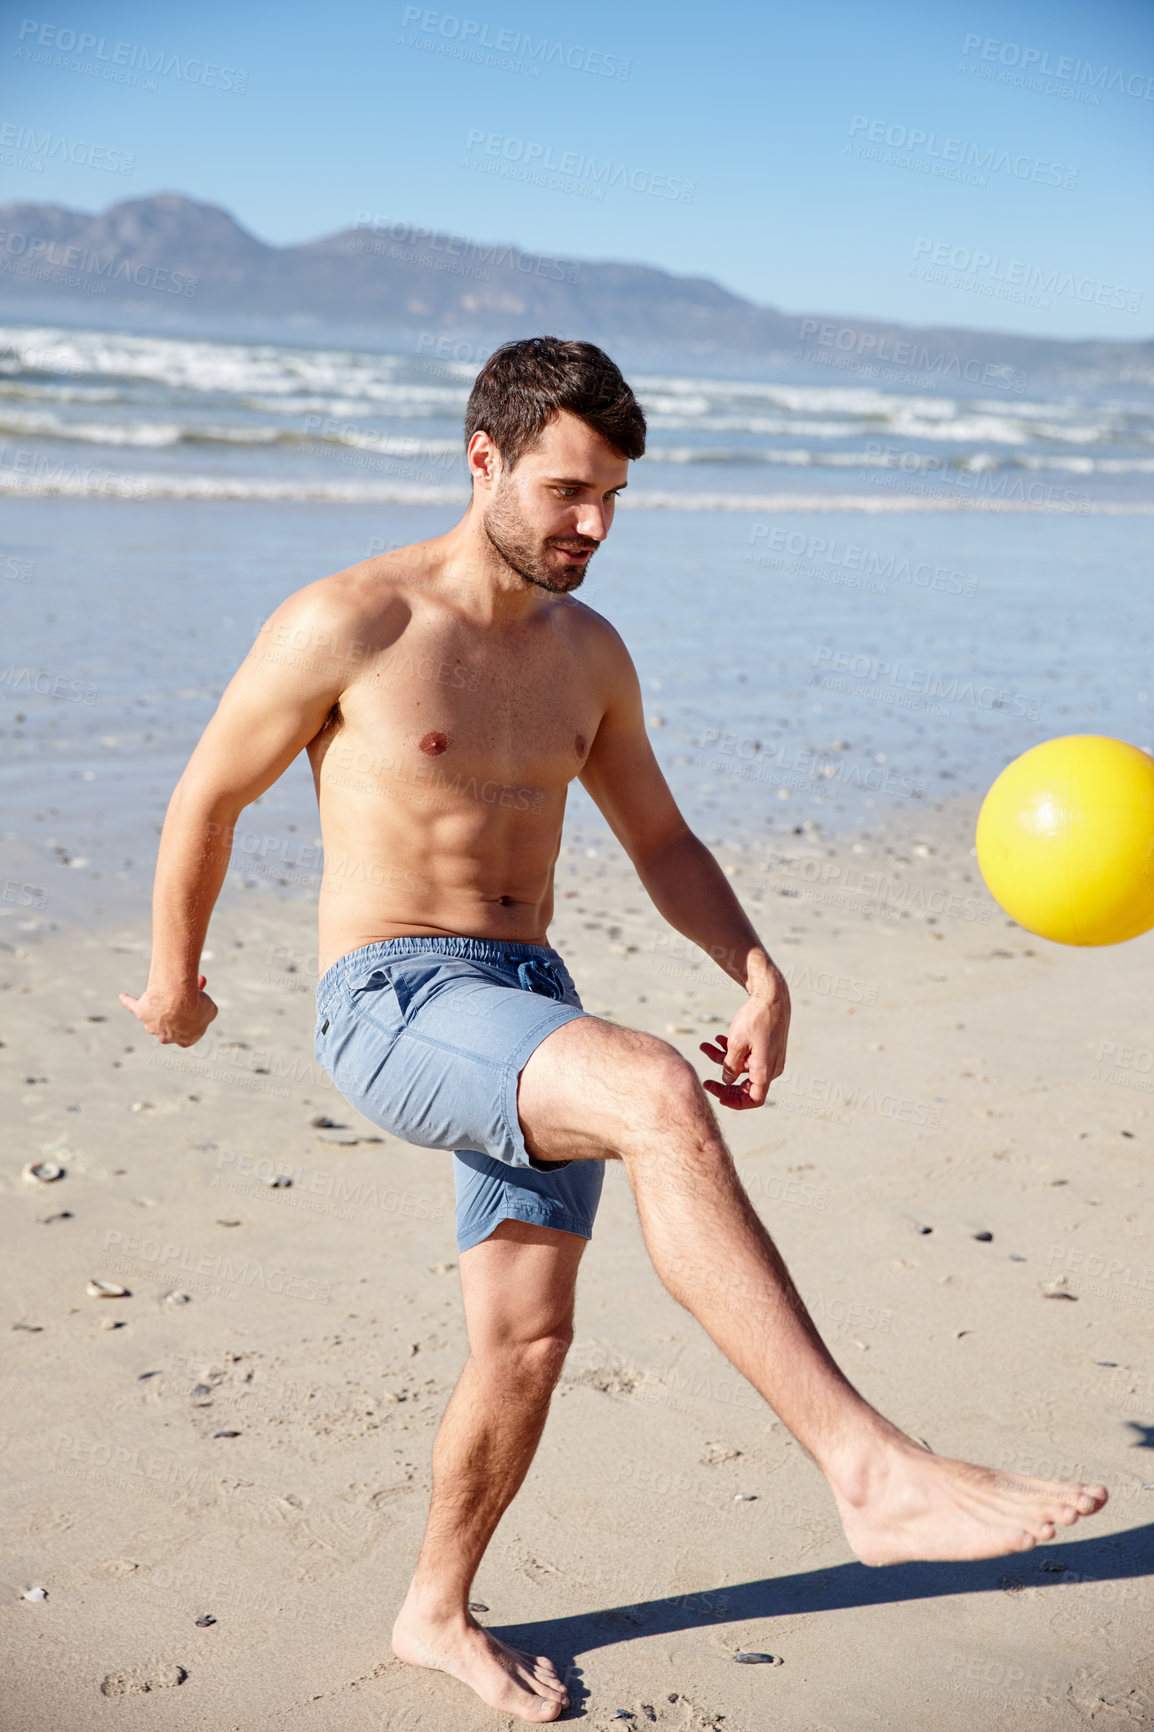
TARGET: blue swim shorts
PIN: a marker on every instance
(427, 1037)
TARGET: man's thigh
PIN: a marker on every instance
(518, 1286)
(590, 1089)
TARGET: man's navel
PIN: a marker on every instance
(434, 744)
(579, 742)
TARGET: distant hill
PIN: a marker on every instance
(172, 259)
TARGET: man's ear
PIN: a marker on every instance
(484, 459)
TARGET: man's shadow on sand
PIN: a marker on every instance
(1115, 1558)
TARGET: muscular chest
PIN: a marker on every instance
(517, 715)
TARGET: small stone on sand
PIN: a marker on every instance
(42, 1172)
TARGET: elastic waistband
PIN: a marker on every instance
(495, 951)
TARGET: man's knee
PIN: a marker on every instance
(534, 1362)
(670, 1083)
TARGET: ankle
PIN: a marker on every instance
(432, 1604)
(857, 1468)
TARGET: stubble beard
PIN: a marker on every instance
(510, 537)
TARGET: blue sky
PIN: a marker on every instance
(820, 157)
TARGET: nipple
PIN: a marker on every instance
(580, 744)
(434, 744)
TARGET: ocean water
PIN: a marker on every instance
(823, 644)
(86, 413)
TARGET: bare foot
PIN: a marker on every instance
(904, 1503)
(504, 1677)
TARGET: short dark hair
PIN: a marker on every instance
(524, 384)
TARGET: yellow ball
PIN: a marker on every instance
(1065, 840)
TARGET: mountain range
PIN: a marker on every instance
(171, 260)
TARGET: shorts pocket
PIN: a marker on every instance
(380, 992)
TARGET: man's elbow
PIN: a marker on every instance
(654, 853)
(200, 801)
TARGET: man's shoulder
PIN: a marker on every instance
(596, 634)
(583, 618)
(380, 578)
(361, 595)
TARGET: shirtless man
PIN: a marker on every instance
(446, 695)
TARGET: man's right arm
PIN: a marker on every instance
(279, 699)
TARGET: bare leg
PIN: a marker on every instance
(592, 1087)
(518, 1290)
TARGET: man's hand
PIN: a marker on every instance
(754, 1047)
(182, 1021)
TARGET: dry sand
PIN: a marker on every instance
(947, 1072)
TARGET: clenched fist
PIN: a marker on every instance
(172, 1018)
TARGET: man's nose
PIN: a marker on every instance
(591, 522)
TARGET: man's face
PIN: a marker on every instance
(547, 517)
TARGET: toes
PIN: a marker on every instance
(1026, 1542)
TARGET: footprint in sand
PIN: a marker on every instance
(139, 1680)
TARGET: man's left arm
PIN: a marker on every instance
(687, 886)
